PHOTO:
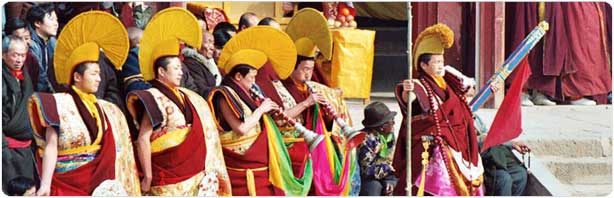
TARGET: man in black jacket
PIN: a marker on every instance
(17, 156)
(202, 67)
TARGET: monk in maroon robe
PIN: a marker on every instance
(571, 64)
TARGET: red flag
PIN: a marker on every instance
(508, 121)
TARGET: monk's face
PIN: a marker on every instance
(434, 67)
(248, 80)
(172, 74)
(90, 80)
(303, 71)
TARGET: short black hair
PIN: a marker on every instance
(220, 38)
(14, 24)
(424, 58)
(243, 21)
(80, 69)
(267, 21)
(300, 59)
(225, 26)
(242, 69)
(37, 12)
(162, 62)
(19, 185)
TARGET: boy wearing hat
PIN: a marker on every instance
(439, 113)
(84, 143)
(375, 153)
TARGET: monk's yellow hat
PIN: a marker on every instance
(84, 37)
(257, 45)
(163, 35)
(433, 40)
(309, 29)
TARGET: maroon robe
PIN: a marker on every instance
(459, 133)
(265, 77)
(256, 156)
(573, 58)
(83, 180)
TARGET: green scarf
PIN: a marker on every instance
(383, 140)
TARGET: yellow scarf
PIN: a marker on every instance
(441, 83)
(90, 104)
(89, 100)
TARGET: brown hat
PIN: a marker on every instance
(377, 114)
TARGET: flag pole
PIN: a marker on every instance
(409, 61)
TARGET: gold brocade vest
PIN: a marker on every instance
(74, 138)
(173, 128)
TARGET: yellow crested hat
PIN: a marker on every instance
(163, 35)
(82, 38)
(308, 29)
(433, 40)
(257, 45)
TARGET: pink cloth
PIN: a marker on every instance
(438, 180)
(322, 177)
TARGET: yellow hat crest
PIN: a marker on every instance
(257, 45)
(308, 29)
(82, 38)
(433, 40)
(163, 35)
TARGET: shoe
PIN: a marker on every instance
(541, 99)
(584, 102)
(524, 100)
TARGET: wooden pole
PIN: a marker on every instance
(409, 61)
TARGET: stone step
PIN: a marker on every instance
(589, 147)
(569, 170)
(599, 179)
(589, 190)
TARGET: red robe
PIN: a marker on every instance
(257, 154)
(83, 180)
(175, 164)
(573, 58)
(459, 133)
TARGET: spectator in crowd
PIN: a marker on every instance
(17, 156)
(376, 152)
(201, 66)
(270, 22)
(19, 28)
(43, 26)
(248, 19)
